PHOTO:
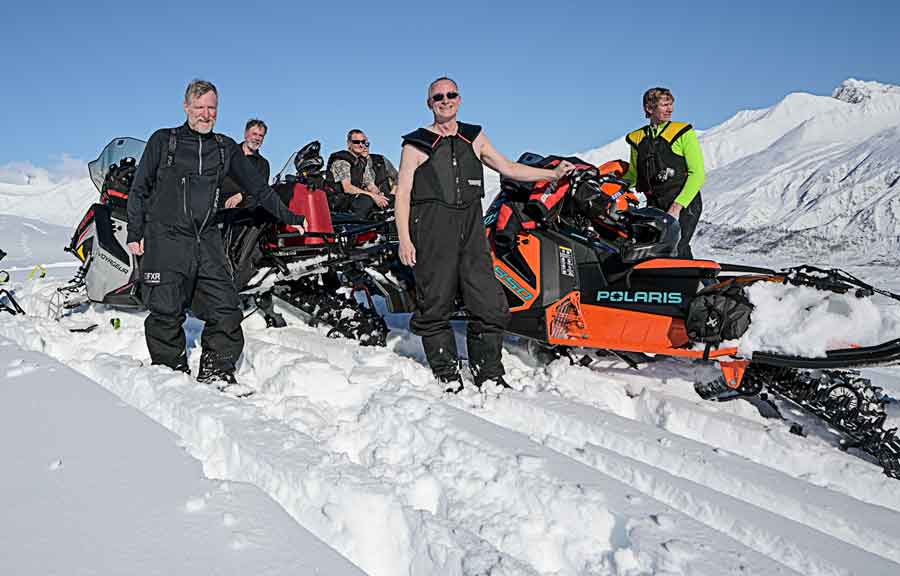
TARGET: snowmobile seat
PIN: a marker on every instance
(311, 202)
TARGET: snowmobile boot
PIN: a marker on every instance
(180, 366)
(498, 382)
(453, 383)
(224, 381)
(220, 377)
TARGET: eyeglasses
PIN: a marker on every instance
(360, 142)
(448, 96)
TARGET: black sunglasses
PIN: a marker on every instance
(363, 142)
(448, 95)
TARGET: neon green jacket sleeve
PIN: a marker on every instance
(631, 175)
(689, 147)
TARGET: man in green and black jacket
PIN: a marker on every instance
(667, 165)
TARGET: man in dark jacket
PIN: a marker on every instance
(171, 215)
(442, 234)
(254, 133)
(362, 180)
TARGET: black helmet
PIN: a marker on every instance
(308, 160)
(652, 233)
(119, 176)
(591, 200)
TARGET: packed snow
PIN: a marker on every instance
(351, 460)
(93, 486)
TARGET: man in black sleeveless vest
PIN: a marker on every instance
(171, 215)
(361, 180)
(441, 229)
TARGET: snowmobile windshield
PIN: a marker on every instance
(114, 153)
(288, 169)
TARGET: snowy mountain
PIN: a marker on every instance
(55, 202)
(812, 175)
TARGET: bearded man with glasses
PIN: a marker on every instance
(361, 180)
(442, 235)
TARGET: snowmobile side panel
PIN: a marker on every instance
(109, 277)
(106, 234)
(558, 267)
(628, 330)
(521, 293)
(82, 233)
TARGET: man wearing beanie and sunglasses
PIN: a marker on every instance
(442, 235)
(362, 180)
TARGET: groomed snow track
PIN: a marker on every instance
(598, 470)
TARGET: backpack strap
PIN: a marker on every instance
(170, 154)
(220, 171)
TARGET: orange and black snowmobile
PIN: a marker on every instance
(584, 268)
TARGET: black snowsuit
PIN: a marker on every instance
(452, 256)
(230, 187)
(172, 206)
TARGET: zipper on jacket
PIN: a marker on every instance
(455, 169)
(208, 212)
(184, 194)
(200, 156)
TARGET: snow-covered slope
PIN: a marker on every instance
(62, 203)
(28, 242)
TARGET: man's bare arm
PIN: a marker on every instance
(349, 188)
(409, 161)
(492, 158)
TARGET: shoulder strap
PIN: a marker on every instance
(422, 139)
(221, 171)
(340, 155)
(468, 132)
(173, 142)
(220, 144)
(634, 137)
(674, 131)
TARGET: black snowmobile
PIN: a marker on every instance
(319, 273)
(325, 272)
(8, 302)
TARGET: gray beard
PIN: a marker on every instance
(201, 131)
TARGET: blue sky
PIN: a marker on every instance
(551, 77)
